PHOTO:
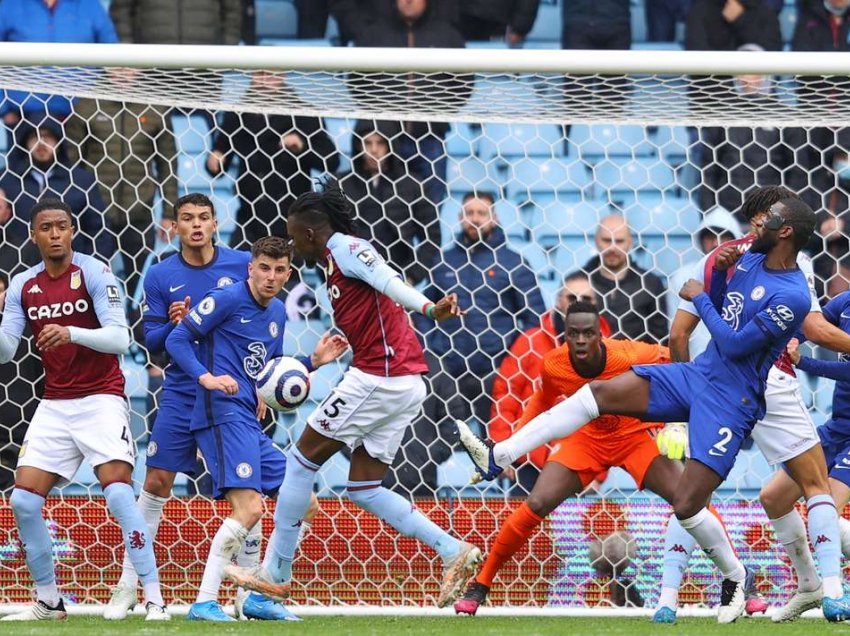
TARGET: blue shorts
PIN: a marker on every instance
(835, 439)
(679, 392)
(240, 455)
(172, 445)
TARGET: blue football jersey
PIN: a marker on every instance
(837, 311)
(171, 280)
(777, 302)
(236, 336)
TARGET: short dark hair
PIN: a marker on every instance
(479, 194)
(759, 199)
(327, 205)
(576, 275)
(50, 204)
(194, 198)
(582, 307)
(271, 246)
(801, 217)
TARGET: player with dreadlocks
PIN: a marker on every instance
(374, 403)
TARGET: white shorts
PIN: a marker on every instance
(787, 429)
(65, 432)
(371, 410)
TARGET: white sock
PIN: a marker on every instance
(791, 533)
(48, 593)
(669, 598)
(561, 420)
(249, 555)
(151, 508)
(226, 543)
(844, 530)
(303, 531)
(711, 537)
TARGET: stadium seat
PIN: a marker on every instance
(341, 132)
(547, 26)
(750, 472)
(595, 142)
(552, 224)
(276, 19)
(462, 140)
(465, 175)
(226, 206)
(634, 175)
(528, 178)
(571, 255)
(656, 214)
(788, 22)
(192, 175)
(673, 143)
(453, 477)
(535, 257)
(191, 133)
(301, 336)
(135, 377)
(521, 140)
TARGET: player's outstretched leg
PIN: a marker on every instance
(38, 548)
(138, 542)
(123, 598)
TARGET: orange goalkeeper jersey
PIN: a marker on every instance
(560, 379)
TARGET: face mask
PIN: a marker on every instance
(834, 10)
(842, 167)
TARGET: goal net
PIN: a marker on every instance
(554, 142)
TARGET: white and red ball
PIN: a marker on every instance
(284, 383)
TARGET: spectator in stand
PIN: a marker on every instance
(130, 147)
(10, 259)
(183, 22)
(276, 153)
(662, 17)
(400, 219)
(520, 372)
(633, 299)
(508, 20)
(596, 24)
(416, 24)
(39, 168)
(718, 225)
(822, 25)
(354, 17)
(726, 25)
(81, 21)
(312, 18)
(499, 292)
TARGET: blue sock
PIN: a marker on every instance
(293, 500)
(402, 515)
(678, 546)
(138, 540)
(825, 537)
(37, 543)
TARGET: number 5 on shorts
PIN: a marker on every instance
(331, 405)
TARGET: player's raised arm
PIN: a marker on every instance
(14, 320)
(838, 370)
(821, 326)
(113, 336)
(200, 321)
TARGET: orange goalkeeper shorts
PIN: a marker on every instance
(587, 454)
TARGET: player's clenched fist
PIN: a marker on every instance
(793, 349)
(726, 257)
(178, 310)
(446, 308)
(672, 440)
(53, 336)
(691, 289)
(219, 383)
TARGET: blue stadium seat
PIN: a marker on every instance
(292, 41)
(547, 26)
(593, 142)
(521, 140)
(192, 134)
(658, 214)
(453, 477)
(462, 140)
(341, 132)
(276, 19)
(192, 175)
(464, 175)
(323, 380)
(750, 472)
(507, 215)
(668, 253)
(226, 206)
(528, 178)
(634, 175)
(673, 143)
(136, 378)
(788, 22)
(552, 224)
(536, 257)
(571, 255)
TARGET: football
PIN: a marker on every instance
(284, 383)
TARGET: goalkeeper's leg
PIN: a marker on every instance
(152, 498)
(555, 484)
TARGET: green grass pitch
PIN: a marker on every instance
(413, 625)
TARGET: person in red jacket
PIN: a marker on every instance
(519, 373)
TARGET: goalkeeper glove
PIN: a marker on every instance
(672, 440)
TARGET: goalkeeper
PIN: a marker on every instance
(609, 440)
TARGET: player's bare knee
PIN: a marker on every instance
(251, 511)
(159, 483)
(540, 504)
(685, 506)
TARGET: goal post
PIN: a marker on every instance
(561, 138)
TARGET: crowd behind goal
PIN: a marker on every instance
(519, 221)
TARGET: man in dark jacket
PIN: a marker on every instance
(633, 298)
(596, 24)
(822, 25)
(276, 153)
(416, 24)
(354, 17)
(132, 151)
(401, 221)
(726, 25)
(499, 292)
(182, 22)
(38, 168)
(497, 19)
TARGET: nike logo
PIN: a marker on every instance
(715, 453)
(174, 289)
(842, 467)
(740, 269)
(243, 321)
(843, 315)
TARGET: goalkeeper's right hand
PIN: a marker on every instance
(672, 440)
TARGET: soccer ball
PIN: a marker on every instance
(284, 383)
